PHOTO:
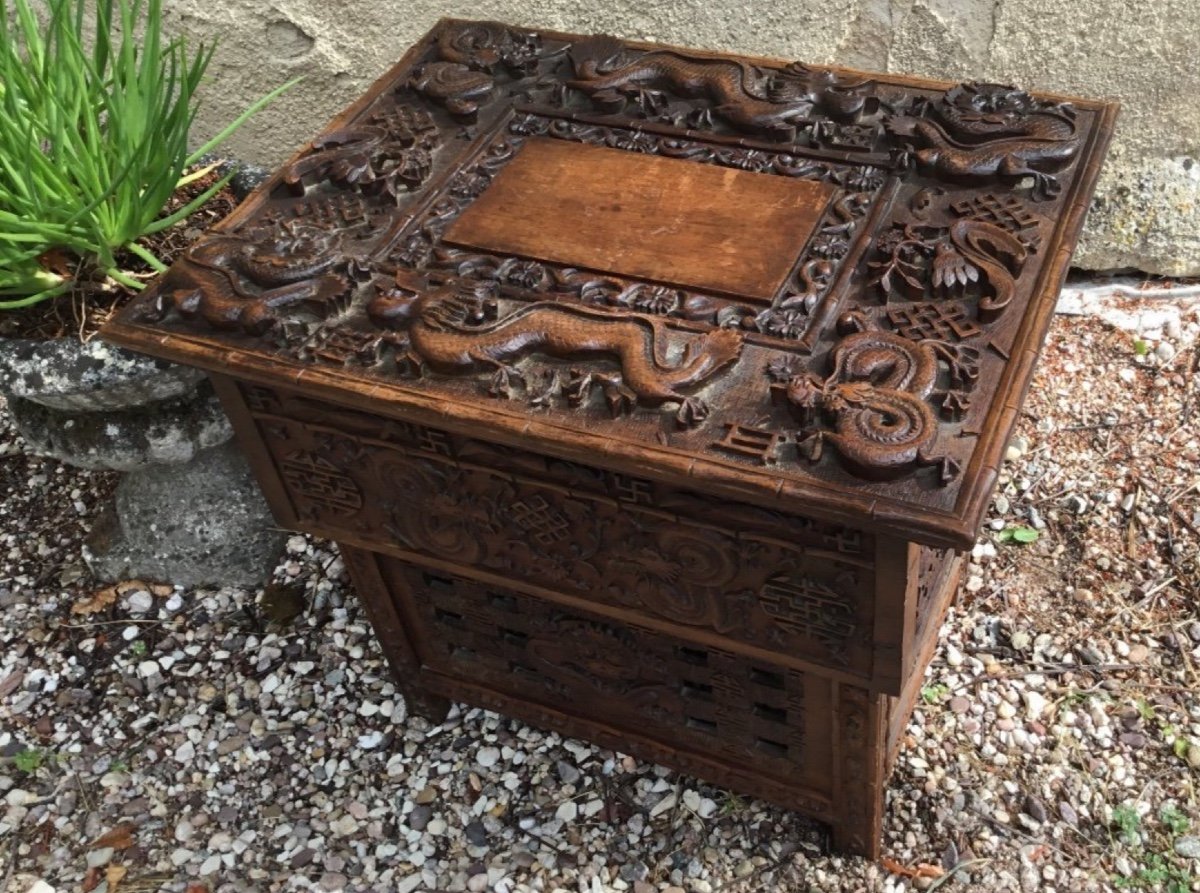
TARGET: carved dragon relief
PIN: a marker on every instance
(776, 103)
(390, 152)
(981, 132)
(946, 272)
(873, 407)
(252, 282)
(456, 329)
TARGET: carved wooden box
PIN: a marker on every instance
(651, 394)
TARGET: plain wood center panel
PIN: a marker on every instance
(687, 224)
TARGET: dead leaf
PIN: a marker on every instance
(91, 880)
(114, 874)
(921, 869)
(11, 682)
(119, 838)
(99, 600)
(162, 590)
(196, 888)
(283, 602)
(132, 586)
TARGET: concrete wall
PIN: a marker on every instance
(1140, 52)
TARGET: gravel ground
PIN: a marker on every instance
(156, 739)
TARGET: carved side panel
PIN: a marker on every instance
(701, 699)
(780, 583)
(932, 567)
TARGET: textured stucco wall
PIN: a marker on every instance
(1140, 53)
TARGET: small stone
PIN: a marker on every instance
(1005, 710)
(231, 744)
(148, 668)
(1165, 351)
(476, 834)
(211, 865)
(1035, 809)
(332, 881)
(1188, 847)
(371, 740)
(691, 799)
(436, 827)
(487, 757)
(567, 773)
(1076, 503)
(1021, 640)
(427, 795)
(185, 752)
(1001, 504)
(100, 856)
(1193, 756)
(959, 705)
(1068, 813)
(140, 602)
(181, 856)
(1035, 704)
(567, 811)
(477, 883)
(1138, 653)
(184, 831)
(419, 817)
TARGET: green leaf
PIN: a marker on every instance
(94, 133)
(1024, 534)
(1141, 348)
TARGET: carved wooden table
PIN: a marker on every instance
(651, 394)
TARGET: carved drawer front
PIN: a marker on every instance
(704, 700)
(712, 570)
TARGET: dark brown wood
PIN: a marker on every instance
(651, 393)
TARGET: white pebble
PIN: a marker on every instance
(487, 757)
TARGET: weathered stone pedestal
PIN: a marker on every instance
(188, 510)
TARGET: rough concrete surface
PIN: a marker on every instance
(200, 523)
(1140, 53)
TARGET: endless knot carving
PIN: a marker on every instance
(540, 520)
(938, 321)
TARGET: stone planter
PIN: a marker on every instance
(187, 509)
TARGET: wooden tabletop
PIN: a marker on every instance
(811, 289)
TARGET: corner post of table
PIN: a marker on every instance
(858, 770)
(393, 637)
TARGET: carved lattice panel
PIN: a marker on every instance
(711, 700)
(788, 584)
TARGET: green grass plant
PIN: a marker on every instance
(93, 138)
